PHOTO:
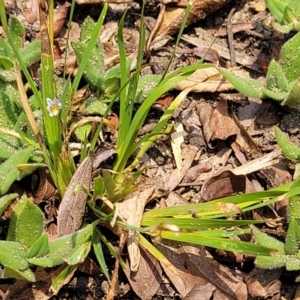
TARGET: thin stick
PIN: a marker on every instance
(230, 38)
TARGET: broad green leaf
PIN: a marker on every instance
(270, 262)
(293, 209)
(292, 263)
(63, 248)
(9, 113)
(6, 200)
(87, 29)
(278, 96)
(26, 274)
(31, 52)
(13, 255)
(27, 169)
(146, 85)
(289, 149)
(292, 98)
(292, 241)
(7, 75)
(290, 59)
(16, 31)
(8, 170)
(276, 80)
(26, 223)
(7, 52)
(40, 247)
(90, 46)
(6, 63)
(248, 86)
(94, 72)
(94, 106)
(277, 8)
(268, 241)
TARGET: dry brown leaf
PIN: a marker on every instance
(46, 189)
(60, 16)
(177, 175)
(205, 111)
(205, 80)
(209, 40)
(173, 17)
(223, 184)
(215, 272)
(196, 170)
(222, 125)
(131, 210)
(72, 206)
(188, 277)
(146, 281)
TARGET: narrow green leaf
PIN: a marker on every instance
(215, 242)
(196, 224)
(40, 247)
(276, 80)
(289, 149)
(61, 278)
(26, 223)
(79, 255)
(292, 263)
(97, 246)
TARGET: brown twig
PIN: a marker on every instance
(156, 26)
(114, 280)
(230, 38)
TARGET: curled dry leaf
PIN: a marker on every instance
(72, 206)
(46, 189)
(60, 16)
(222, 125)
(146, 281)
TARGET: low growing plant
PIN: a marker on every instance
(48, 146)
(282, 80)
(287, 14)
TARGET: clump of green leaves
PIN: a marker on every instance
(282, 81)
(287, 14)
(26, 245)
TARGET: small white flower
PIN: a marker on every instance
(53, 106)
